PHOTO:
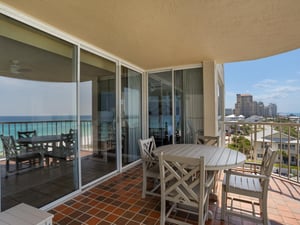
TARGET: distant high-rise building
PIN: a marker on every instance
(260, 110)
(244, 105)
(247, 107)
(272, 110)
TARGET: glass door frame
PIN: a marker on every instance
(119, 112)
(173, 69)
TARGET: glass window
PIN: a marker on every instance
(98, 116)
(131, 114)
(188, 104)
(160, 107)
(38, 94)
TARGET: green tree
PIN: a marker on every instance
(241, 144)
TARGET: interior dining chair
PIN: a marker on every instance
(150, 166)
(248, 188)
(185, 186)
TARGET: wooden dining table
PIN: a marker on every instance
(215, 158)
(44, 139)
(40, 143)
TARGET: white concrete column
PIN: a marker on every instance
(210, 99)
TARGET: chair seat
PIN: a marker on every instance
(240, 185)
(153, 171)
(249, 186)
(28, 155)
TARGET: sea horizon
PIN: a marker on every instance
(38, 118)
(289, 114)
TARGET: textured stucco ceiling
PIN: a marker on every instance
(162, 33)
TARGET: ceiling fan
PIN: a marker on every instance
(15, 67)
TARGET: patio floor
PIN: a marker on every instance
(118, 201)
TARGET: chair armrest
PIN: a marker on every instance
(249, 167)
(150, 160)
(230, 172)
(252, 163)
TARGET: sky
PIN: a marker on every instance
(28, 98)
(274, 79)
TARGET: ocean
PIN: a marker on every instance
(288, 114)
(40, 118)
(44, 125)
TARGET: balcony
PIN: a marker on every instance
(118, 201)
(250, 138)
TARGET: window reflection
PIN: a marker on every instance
(98, 107)
(131, 108)
(38, 93)
(188, 104)
(160, 107)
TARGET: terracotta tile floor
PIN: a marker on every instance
(118, 201)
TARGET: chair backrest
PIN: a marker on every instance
(268, 161)
(147, 146)
(67, 141)
(182, 179)
(207, 140)
(26, 134)
(9, 146)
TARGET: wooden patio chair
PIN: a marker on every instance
(150, 166)
(64, 150)
(18, 154)
(27, 134)
(184, 184)
(249, 188)
(207, 140)
(210, 141)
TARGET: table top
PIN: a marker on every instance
(216, 158)
(39, 139)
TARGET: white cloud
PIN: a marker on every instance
(291, 81)
(265, 83)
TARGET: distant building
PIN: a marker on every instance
(228, 111)
(272, 110)
(247, 107)
(244, 105)
(260, 110)
(277, 142)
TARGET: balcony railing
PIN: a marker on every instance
(251, 139)
(48, 128)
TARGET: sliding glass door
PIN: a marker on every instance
(98, 109)
(131, 114)
(160, 107)
(188, 101)
(175, 102)
(38, 94)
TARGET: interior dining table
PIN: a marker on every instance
(215, 158)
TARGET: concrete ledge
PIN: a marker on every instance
(24, 214)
